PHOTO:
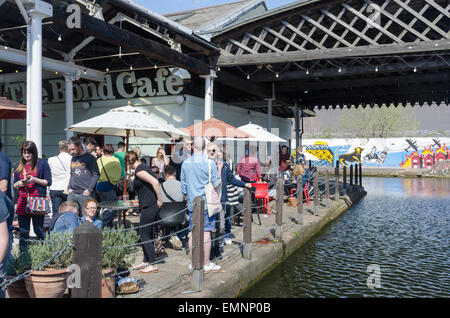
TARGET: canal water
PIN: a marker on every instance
(395, 242)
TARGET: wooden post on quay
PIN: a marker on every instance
(360, 174)
(351, 177)
(87, 254)
(316, 192)
(356, 175)
(247, 251)
(279, 215)
(300, 199)
(327, 188)
(344, 180)
(336, 182)
(198, 241)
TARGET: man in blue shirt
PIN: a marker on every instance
(194, 177)
(67, 218)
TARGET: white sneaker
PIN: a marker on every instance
(228, 241)
(211, 267)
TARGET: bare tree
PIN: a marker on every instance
(377, 122)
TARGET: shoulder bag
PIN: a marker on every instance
(212, 197)
(171, 212)
(113, 186)
(36, 205)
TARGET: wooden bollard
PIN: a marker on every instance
(356, 175)
(360, 174)
(87, 254)
(344, 180)
(351, 177)
(279, 215)
(300, 199)
(327, 189)
(316, 192)
(336, 182)
(198, 241)
(247, 251)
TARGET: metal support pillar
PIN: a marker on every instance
(69, 104)
(209, 94)
(41, 11)
(28, 83)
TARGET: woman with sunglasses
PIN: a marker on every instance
(160, 161)
(31, 177)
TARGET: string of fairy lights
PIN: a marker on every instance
(341, 68)
(309, 70)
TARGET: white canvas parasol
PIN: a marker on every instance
(259, 132)
(127, 121)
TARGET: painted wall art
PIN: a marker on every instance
(408, 152)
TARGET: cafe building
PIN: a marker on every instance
(120, 54)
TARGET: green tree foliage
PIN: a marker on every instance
(377, 122)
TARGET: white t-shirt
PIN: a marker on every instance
(60, 169)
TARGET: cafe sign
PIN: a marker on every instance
(122, 85)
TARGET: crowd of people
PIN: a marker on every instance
(81, 176)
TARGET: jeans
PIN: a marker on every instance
(57, 197)
(38, 226)
(80, 199)
(230, 210)
(108, 215)
(4, 265)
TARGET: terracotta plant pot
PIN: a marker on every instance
(47, 284)
(17, 289)
(108, 284)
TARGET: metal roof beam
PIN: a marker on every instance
(287, 57)
(14, 56)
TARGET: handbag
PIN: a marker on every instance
(36, 205)
(292, 202)
(170, 212)
(212, 197)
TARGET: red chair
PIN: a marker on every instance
(305, 193)
(262, 193)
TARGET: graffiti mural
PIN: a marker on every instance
(407, 152)
(376, 157)
(350, 158)
(323, 154)
(428, 157)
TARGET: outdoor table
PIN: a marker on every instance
(119, 205)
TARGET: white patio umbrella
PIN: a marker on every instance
(259, 132)
(127, 121)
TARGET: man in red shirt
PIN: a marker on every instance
(248, 167)
(285, 163)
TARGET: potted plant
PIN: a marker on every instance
(51, 280)
(116, 253)
(17, 265)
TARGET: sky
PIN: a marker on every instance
(168, 6)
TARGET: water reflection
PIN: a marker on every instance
(402, 225)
